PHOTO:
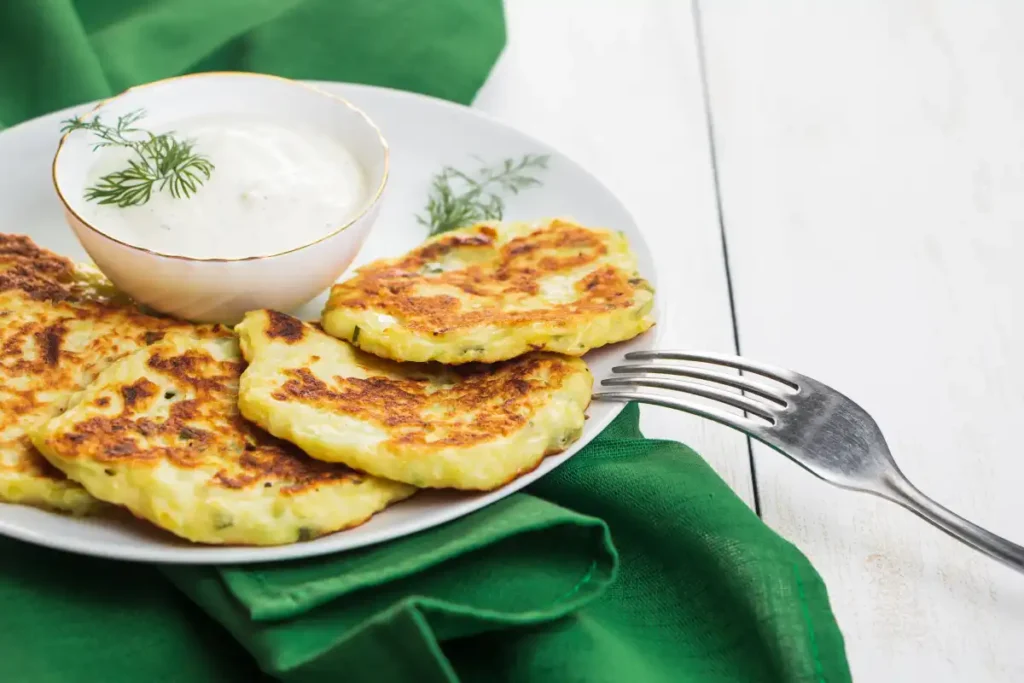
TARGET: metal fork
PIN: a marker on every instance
(814, 425)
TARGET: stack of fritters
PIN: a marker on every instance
(492, 293)
(141, 411)
(159, 432)
(465, 376)
(60, 325)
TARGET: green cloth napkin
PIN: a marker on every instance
(56, 53)
(704, 593)
(527, 590)
(632, 562)
(381, 614)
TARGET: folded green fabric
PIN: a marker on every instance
(71, 619)
(527, 590)
(380, 613)
(56, 53)
(523, 591)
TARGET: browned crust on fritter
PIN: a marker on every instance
(499, 397)
(497, 279)
(41, 301)
(202, 426)
(281, 326)
(39, 273)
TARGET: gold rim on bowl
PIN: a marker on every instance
(373, 201)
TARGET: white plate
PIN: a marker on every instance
(425, 134)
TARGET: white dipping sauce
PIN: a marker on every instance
(272, 189)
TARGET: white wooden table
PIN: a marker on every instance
(836, 187)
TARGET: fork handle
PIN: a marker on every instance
(906, 494)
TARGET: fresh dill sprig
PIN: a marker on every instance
(457, 198)
(160, 162)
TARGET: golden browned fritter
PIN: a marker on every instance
(494, 291)
(159, 432)
(469, 427)
(60, 324)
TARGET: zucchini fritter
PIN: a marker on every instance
(159, 432)
(467, 427)
(60, 325)
(491, 292)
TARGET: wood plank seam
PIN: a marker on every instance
(709, 123)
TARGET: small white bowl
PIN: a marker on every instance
(223, 289)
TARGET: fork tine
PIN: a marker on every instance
(778, 374)
(736, 381)
(727, 397)
(738, 422)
